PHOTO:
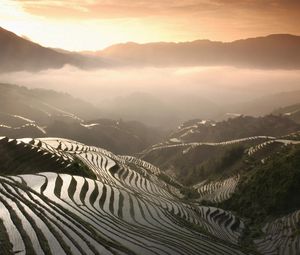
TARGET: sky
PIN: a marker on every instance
(80, 25)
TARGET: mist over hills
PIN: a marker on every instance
(40, 104)
(40, 113)
(169, 112)
(153, 109)
(266, 104)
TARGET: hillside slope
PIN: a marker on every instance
(275, 185)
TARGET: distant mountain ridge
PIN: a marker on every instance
(278, 51)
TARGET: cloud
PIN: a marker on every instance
(171, 20)
(74, 9)
(215, 83)
(162, 96)
(99, 9)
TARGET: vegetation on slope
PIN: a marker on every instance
(121, 137)
(25, 159)
(77, 167)
(219, 166)
(269, 189)
(202, 162)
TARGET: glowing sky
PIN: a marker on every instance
(95, 24)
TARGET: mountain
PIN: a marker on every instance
(277, 51)
(18, 54)
(39, 113)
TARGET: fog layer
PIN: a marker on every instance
(162, 95)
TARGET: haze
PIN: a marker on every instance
(158, 93)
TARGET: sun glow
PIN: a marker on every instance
(79, 34)
(94, 34)
(95, 24)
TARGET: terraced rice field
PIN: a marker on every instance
(292, 136)
(217, 191)
(126, 209)
(221, 223)
(186, 147)
(254, 149)
(281, 236)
